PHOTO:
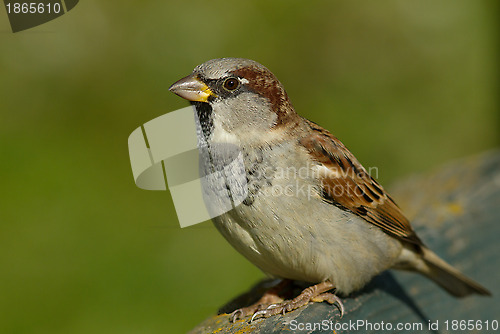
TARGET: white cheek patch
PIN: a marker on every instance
(243, 118)
(244, 81)
(220, 135)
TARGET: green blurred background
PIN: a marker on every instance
(407, 85)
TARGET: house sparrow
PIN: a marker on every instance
(339, 233)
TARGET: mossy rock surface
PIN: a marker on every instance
(456, 212)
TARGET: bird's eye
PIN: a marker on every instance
(231, 83)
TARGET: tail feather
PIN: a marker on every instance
(449, 278)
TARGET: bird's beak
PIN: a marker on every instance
(191, 88)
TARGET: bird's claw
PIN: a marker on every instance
(340, 305)
(263, 312)
(288, 306)
(314, 293)
(257, 314)
(234, 316)
(332, 299)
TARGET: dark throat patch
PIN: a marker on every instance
(204, 112)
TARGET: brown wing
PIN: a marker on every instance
(347, 185)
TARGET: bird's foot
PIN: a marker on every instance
(270, 297)
(315, 293)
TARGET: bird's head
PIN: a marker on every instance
(239, 95)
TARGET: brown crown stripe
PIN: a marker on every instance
(263, 82)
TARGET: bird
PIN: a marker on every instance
(311, 213)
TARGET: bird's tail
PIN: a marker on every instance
(449, 278)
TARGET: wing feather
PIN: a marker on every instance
(347, 185)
